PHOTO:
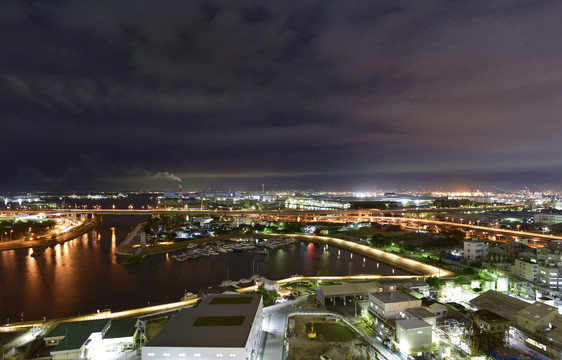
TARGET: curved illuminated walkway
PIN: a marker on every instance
(416, 267)
(410, 265)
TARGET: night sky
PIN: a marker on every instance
(325, 95)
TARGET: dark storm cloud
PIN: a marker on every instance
(98, 94)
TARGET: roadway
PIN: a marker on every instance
(156, 211)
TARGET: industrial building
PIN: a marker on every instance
(536, 325)
(389, 305)
(413, 336)
(222, 326)
(93, 339)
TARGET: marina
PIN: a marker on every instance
(250, 245)
(84, 275)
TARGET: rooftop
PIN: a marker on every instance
(500, 304)
(121, 328)
(420, 313)
(410, 324)
(536, 311)
(231, 300)
(393, 297)
(350, 289)
(75, 333)
(489, 316)
(428, 302)
(218, 321)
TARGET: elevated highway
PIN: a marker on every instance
(288, 212)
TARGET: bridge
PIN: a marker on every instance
(397, 216)
(157, 211)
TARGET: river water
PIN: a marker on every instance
(84, 275)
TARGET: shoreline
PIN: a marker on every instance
(71, 235)
(413, 266)
(154, 309)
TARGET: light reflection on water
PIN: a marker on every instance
(84, 275)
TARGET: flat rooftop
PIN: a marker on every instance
(394, 297)
(121, 328)
(218, 321)
(75, 333)
(410, 324)
(420, 313)
(349, 289)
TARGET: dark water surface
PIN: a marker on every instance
(84, 275)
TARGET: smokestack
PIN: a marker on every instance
(180, 195)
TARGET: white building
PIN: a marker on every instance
(93, 339)
(525, 270)
(550, 276)
(222, 326)
(547, 219)
(389, 305)
(545, 254)
(475, 250)
(413, 336)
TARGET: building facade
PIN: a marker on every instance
(475, 251)
(525, 269)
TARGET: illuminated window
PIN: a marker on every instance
(219, 355)
(232, 355)
(166, 354)
(196, 355)
(150, 354)
(181, 354)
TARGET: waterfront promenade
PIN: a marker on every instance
(46, 241)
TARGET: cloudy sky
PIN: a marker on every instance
(112, 95)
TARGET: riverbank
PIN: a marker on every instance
(72, 234)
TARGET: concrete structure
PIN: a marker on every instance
(93, 339)
(121, 336)
(490, 323)
(435, 307)
(525, 269)
(353, 289)
(222, 326)
(547, 219)
(488, 330)
(497, 254)
(536, 317)
(389, 305)
(475, 251)
(550, 276)
(413, 336)
(422, 314)
(536, 325)
(499, 304)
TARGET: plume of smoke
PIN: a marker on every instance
(164, 174)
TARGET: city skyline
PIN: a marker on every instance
(98, 95)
